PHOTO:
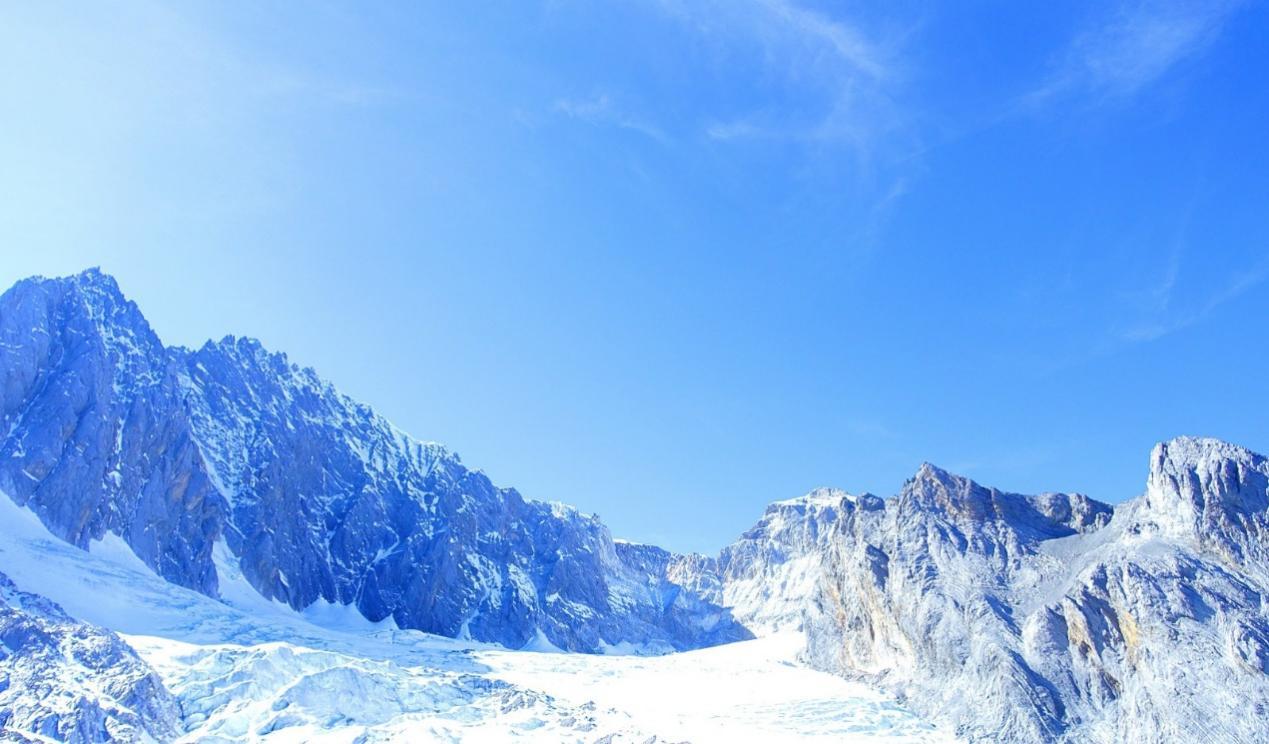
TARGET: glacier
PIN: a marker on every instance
(242, 667)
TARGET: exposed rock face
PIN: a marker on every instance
(315, 495)
(1041, 618)
(96, 435)
(768, 577)
(1030, 618)
(62, 680)
(1211, 496)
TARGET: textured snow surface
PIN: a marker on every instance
(251, 669)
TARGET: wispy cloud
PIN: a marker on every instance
(833, 83)
(840, 81)
(1167, 318)
(1171, 299)
(846, 41)
(1136, 45)
(601, 110)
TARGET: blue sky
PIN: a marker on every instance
(668, 260)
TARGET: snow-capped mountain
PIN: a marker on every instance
(1030, 618)
(769, 575)
(231, 453)
(1054, 617)
(240, 496)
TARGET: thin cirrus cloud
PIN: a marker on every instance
(1135, 46)
(835, 82)
(834, 86)
(1168, 319)
(842, 81)
(849, 43)
(601, 110)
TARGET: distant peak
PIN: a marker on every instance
(94, 278)
(934, 489)
(97, 294)
(822, 496)
(1191, 470)
(930, 473)
(248, 348)
(1210, 491)
(242, 343)
(1188, 452)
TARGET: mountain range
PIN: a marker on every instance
(999, 616)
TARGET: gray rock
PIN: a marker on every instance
(1022, 618)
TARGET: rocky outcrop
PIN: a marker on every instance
(63, 680)
(1024, 618)
(97, 438)
(1211, 496)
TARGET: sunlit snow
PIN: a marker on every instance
(250, 669)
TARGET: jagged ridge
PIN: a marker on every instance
(313, 495)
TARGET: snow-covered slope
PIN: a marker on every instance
(317, 498)
(244, 668)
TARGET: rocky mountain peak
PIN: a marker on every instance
(1211, 493)
(934, 489)
(1191, 475)
(935, 493)
(104, 301)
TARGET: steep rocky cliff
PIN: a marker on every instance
(311, 494)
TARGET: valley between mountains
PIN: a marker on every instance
(215, 544)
